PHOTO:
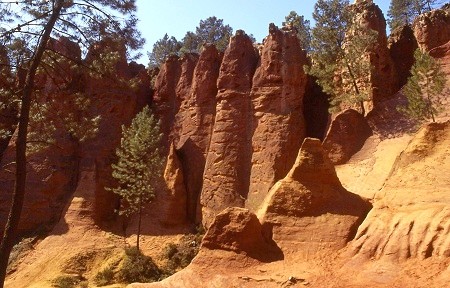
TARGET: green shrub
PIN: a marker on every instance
(137, 267)
(66, 281)
(104, 277)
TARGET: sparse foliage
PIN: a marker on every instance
(162, 49)
(424, 87)
(139, 167)
(26, 30)
(212, 30)
(340, 59)
(302, 26)
(403, 12)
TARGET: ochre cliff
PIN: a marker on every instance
(226, 175)
(277, 102)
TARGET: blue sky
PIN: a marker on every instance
(176, 17)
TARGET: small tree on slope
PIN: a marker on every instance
(139, 167)
(424, 87)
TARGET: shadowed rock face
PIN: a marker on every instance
(432, 29)
(8, 113)
(227, 169)
(315, 110)
(402, 44)
(197, 125)
(309, 211)
(116, 103)
(347, 134)
(52, 172)
(277, 100)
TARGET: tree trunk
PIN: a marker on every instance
(139, 223)
(355, 85)
(9, 235)
(429, 104)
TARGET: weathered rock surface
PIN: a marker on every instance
(174, 198)
(402, 43)
(309, 212)
(165, 100)
(197, 126)
(383, 77)
(183, 93)
(347, 134)
(239, 230)
(432, 29)
(411, 217)
(117, 104)
(227, 168)
(277, 100)
(52, 172)
(442, 53)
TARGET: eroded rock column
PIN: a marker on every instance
(227, 169)
(277, 99)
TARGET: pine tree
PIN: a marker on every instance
(303, 28)
(162, 49)
(212, 30)
(340, 59)
(424, 87)
(139, 167)
(403, 12)
(34, 24)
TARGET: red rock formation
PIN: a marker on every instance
(309, 211)
(383, 77)
(238, 230)
(174, 198)
(347, 134)
(277, 97)
(165, 101)
(52, 171)
(9, 110)
(227, 168)
(402, 43)
(117, 104)
(442, 53)
(183, 91)
(197, 126)
(432, 29)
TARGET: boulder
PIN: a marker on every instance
(347, 134)
(309, 212)
(402, 43)
(238, 230)
(432, 29)
(277, 100)
(227, 168)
